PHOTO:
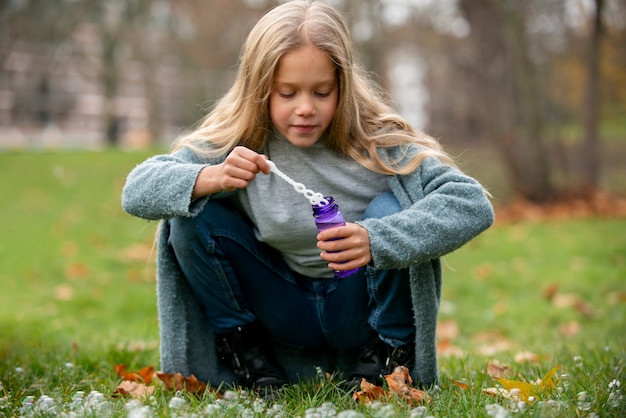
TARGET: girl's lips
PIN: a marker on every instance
(304, 129)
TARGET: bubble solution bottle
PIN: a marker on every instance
(327, 215)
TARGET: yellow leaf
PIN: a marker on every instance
(548, 382)
(524, 389)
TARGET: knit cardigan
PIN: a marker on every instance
(442, 210)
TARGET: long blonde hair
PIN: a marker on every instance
(363, 121)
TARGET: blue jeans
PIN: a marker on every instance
(239, 279)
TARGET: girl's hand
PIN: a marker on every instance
(345, 247)
(239, 168)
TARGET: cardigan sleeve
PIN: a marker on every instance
(161, 187)
(442, 210)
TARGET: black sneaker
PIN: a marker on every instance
(249, 352)
(377, 359)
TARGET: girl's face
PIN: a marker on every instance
(304, 97)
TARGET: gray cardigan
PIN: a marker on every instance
(442, 210)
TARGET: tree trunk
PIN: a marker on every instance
(590, 152)
(504, 86)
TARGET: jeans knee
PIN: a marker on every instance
(184, 232)
(384, 204)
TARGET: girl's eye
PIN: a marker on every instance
(320, 94)
(286, 95)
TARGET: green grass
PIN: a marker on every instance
(77, 298)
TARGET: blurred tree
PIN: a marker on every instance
(590, 161)
(118, 25)
(509, 71)
(34, 25)
(505, 87)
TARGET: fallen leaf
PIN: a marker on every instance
(77, 271)
(459, 384)
(447, 330)
(482, 272)
(144, 375)
(525, 391)
(570, 329)
(177, 381)
(446, 349)
(133, 389)
(497, 392)
(491, 343)
(584, 308)
(526, 357)
(550, 290)
(399, 382)
(548, 382)
(497, 370)
(64, 292)
(564, 300)
(138, 252)
(368, 393)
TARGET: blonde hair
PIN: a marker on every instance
(363, 121)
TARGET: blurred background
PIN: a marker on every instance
(529, 95)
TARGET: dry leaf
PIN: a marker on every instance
(368, 393)
(570, 329)
(446, 349)
(482, 272)
(399, 383)
(491, 343)
(497, 370)
(144, 375)
(524, 391)
(459, 384)
(548, 382)
(64, 292)
(497, 392)
(178, 382)
(564, 300)
(526, 356)
(77, 271)
(550, 290)
(137, 252)
(584, 308)
(447, 330)
(133, 389)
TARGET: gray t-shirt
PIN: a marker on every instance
(283, 217)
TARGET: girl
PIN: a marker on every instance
(246, 288)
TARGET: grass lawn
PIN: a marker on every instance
(77, 298)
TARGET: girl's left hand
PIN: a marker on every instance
(345, 247)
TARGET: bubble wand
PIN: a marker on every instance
(314, 198)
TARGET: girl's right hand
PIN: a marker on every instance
(238, 169)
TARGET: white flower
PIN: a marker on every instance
(614, 385)
(350, 414)
(177, 402)
(418, 412)
(212, 410)
(497, 411)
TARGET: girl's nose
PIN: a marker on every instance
(305, 106)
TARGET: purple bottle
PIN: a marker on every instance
(329, 216)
